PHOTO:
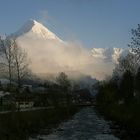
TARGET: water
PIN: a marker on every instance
(85, 125)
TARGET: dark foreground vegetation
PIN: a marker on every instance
(57, 99)
(126, 119)
(119, 96)
(22, 125)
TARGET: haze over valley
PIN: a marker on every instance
(49, 54)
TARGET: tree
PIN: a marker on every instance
(137, 84)
(127, 63)
(63, 81)
(6, 46)
(108, 93)
(127, 86)
(20, 63)
(65, 84)
(135, 43)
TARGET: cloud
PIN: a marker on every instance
(53, 56)
(44, 16)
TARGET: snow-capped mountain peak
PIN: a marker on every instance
(32, 27)
(108, 54)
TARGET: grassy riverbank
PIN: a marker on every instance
(119, 100)
(126, 120)
(21, 125)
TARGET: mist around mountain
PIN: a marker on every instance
(50, 54)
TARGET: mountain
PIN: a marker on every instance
(36, 29)
(109, 54)
(41, 46)
(51, 55)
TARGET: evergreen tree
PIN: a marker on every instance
(137, 84)
(127, 86)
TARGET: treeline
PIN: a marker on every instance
(119, 96)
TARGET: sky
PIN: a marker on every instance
(93, 23)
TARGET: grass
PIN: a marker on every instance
(22, 125)
(127, 116)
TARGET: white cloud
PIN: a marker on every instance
(50, 56)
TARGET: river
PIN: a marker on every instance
(85, 125)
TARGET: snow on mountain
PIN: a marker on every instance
(49, 54)
(36, 29)
(105, 59)
(109, 54)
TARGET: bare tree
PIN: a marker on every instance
(127, 63)
(135, 42)
(65, 84)
(20, 63)
(63, 81)
(6, 47)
